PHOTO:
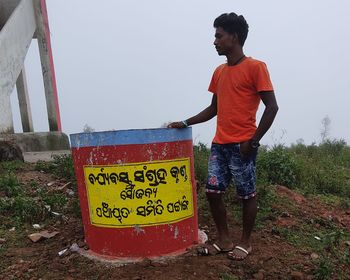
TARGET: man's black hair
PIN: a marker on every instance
(233, 24)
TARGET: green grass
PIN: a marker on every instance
(61, 167)
(324, 269)
(201, 157)
(11, 166)
(316, 171)
(10, 186)
(323, 238)
(21, 204)
(227, 276)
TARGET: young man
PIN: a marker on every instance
(237, 86)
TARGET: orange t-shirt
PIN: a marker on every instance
(237, 88)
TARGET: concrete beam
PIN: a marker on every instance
(15, 38)
(24, 104)
(44, 42)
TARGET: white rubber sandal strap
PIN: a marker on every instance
(242, 249)
(217, 247)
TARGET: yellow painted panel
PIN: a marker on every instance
(145, 193)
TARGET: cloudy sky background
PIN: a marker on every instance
(126, 64)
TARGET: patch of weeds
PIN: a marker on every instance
(201, 156)
(55, 200)
(233, 203)
(10, 186)
(278, 166)
(75, 207)
(61, 166)
(64, 167)
(324, 269)
(5, 204)
(345, 257)
(27, 209)
(227, 276)
(344, 203)
(332, 239)
(266, 197)
(12, 166)
(45, 166)
(335, 201)
(202, 202)
(294, 236)
(34, 184)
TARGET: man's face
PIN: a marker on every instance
(224, 42)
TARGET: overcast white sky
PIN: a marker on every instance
(138, 64)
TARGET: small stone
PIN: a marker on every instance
(35, 237)
(70, 192)
(347, 243)
(314, 256)
(2, 240)
(51, 183)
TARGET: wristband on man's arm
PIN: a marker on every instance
(185, 123)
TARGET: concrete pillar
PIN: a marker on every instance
(6, 121)
(24, 104)
(15, 38)
(44, 42)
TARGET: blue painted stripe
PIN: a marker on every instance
(129, 137)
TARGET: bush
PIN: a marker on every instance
(277, 166)
(201, 157)
(62, 167)
(10, 186)
(27, 209)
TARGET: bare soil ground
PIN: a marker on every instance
(274, 255)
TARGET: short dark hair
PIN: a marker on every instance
(233, 24)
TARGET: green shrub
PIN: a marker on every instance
(277, 166)
(201, 157)
(27, 209)
(55, 200)
(322, 177)
(10, 186)
(11, 166)
(62, 166)
(325, 269)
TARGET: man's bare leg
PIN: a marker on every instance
(218, 211)
(249, 214)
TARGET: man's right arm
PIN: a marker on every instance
(207, 114)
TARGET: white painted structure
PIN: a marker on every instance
(21, 21)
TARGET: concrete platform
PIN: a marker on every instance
(37, 146)
(38, 141)
(33, 157)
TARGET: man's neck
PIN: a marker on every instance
(235, 58)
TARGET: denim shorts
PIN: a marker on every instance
(225, 164)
